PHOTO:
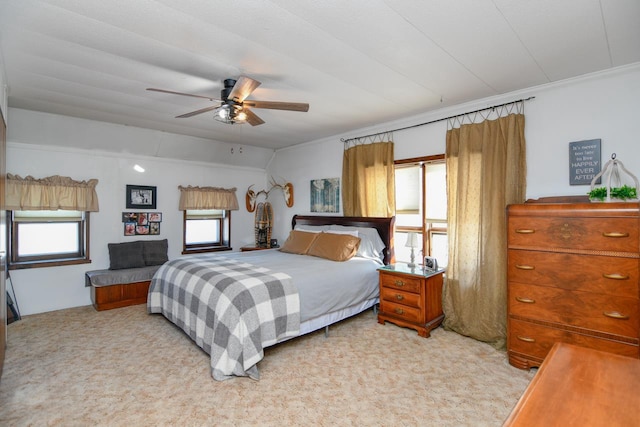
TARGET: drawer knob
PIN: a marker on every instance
(399, 311)
(616, 315)
(614, 234)
(399, 283)
(525, 231)
(616, 276)
(399, 297)
(526, 339)
(525, 300)
(525, 267)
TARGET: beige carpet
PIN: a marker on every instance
(80, 367)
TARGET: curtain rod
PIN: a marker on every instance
(435, 121)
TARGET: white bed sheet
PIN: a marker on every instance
(324, 286)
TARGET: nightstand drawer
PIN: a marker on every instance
(400, 297)
(410, 314)
(404, 283)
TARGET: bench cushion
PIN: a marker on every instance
(126, 255)
(116, 277)
(154, 252)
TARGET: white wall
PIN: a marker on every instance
(45, 289)
(598, 106)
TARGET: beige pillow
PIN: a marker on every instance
(336, 247)
(298, 242)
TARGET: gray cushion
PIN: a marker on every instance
(154, 252)
(125, 255)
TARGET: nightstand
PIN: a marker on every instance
(411, 297)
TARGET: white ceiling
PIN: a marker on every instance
(357, 63)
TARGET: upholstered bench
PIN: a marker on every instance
(126, 282)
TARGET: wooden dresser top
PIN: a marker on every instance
(577, 386)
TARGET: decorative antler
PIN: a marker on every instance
(287, 191)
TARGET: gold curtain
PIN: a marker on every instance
(207, 198)
(51, 193)
(486, 171)
(368, 180)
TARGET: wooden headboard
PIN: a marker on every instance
(383, 225)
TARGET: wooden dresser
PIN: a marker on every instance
(577, 386)
(411, 297)
(573, 272)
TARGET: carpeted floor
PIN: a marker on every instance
(80, 367)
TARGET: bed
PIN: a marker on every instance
(234, 305)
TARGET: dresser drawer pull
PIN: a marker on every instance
(399, 311)
(615, 276)
(525, 300)
(614, 234)
(525, 267)
(399, 297)
(525, 231)
(616, 315)
(526, 339)
(399, 283)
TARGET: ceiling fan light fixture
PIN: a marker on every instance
(230, 114)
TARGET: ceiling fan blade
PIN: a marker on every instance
(243, 88)
(274, 105)
(252, 118)
(195, 113)
(183, 94)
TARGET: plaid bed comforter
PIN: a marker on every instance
(231, 309)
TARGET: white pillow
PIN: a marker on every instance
(353, 233)
(371, 245)
(311, 228)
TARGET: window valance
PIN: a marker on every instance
(207, 198)
(51, 193)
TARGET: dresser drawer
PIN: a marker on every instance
(400, 297)
(410, 314)
(589, 273)
(601, 234)
(536, 340)
(594, 312)
(405, 283)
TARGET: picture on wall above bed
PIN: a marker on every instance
(325, 195)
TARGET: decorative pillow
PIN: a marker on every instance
(336, 247)
(154, 252)
(298, 242)
(125, 255)
(371, 245)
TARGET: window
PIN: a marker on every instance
(421, 207)
(48, 238)
(206, 230)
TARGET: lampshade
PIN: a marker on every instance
(412, 240)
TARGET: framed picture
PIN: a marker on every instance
(325, 195)
(154, 228)
(141, 197)
(430, 263)
(129, 228)
(155, 217)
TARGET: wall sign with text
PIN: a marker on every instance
(584, 161)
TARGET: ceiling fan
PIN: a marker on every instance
(233, 107)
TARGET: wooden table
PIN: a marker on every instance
(577, 386)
